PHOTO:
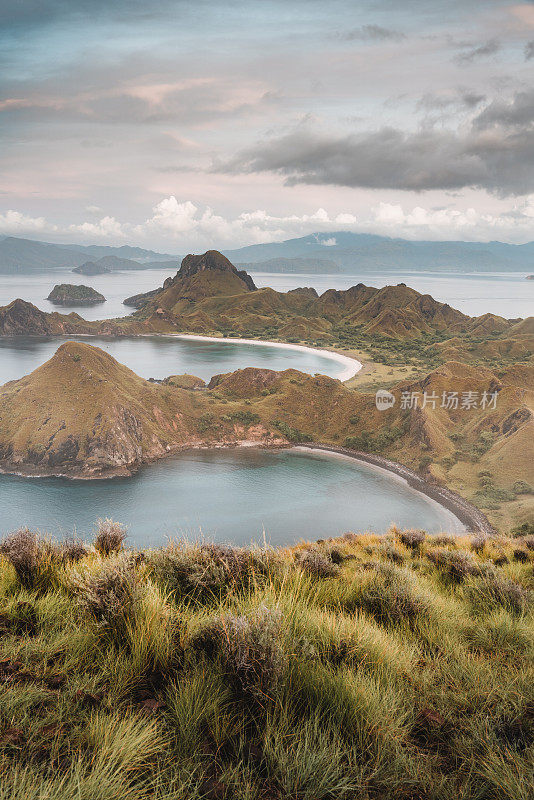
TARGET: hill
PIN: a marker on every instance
(19, 256)
(351, 252)
(356, 252)
(84, 414)
(362, 667)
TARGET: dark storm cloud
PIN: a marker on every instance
(498, 161)
(489, 48)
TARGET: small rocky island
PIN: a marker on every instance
(68, 294)
(92, 268)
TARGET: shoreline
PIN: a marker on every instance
(352, 365)
(474, 520)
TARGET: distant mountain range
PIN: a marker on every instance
(357, 252)
(27, 256)
(350, 253)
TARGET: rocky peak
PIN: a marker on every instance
(212, 260)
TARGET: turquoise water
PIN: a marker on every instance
(226, 495)
(160, 356)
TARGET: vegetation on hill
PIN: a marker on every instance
(69, 294)
(83, 413)
(388, 668)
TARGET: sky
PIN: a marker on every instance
(186, 125)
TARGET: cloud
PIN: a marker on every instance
(529, 50)
(373, 33)
(15, 223)
(489, 48)
(179, 226)
(517, 112)
(494, 152)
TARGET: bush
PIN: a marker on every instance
(522, 487)
(521, 555)
(489, 591)
(291, 434)
(244, 417)
(73, 550)
(110, 537)
(249, 648)
(478, 543)
(316, 563)
(455, 565)
(108, 594)
(211, 568)
(412, 538)
(392, 553)
(21, 548)
(390, 597)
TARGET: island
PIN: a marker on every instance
(92, 268)
(409, 343)
(68, 294)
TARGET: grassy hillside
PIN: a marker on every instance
(388, 668)
(84, 414)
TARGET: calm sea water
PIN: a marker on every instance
(160, 356)
(230, 496)
(506, 294)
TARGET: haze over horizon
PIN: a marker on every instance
(180, 127)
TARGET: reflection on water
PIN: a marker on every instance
(160, 356)
(229, 495)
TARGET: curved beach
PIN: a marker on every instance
(469, 516)
(351, 365)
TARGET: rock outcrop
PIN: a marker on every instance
(69, 294)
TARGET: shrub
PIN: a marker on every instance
(522, 487)
(211, 568)
(520, 555)
(291, 434)
(244, 417)
(412, 538)
(249, 648)
(495, 590)
(525, 529)
(110, 537)
(478, 543)
(73, 550)
(390, 597)
(316, 563)
(21, 548)
(444, 540)
(455, 565)
(392, 553)
(108, 594)
(528, 541)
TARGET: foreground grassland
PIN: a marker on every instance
(362, 667)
